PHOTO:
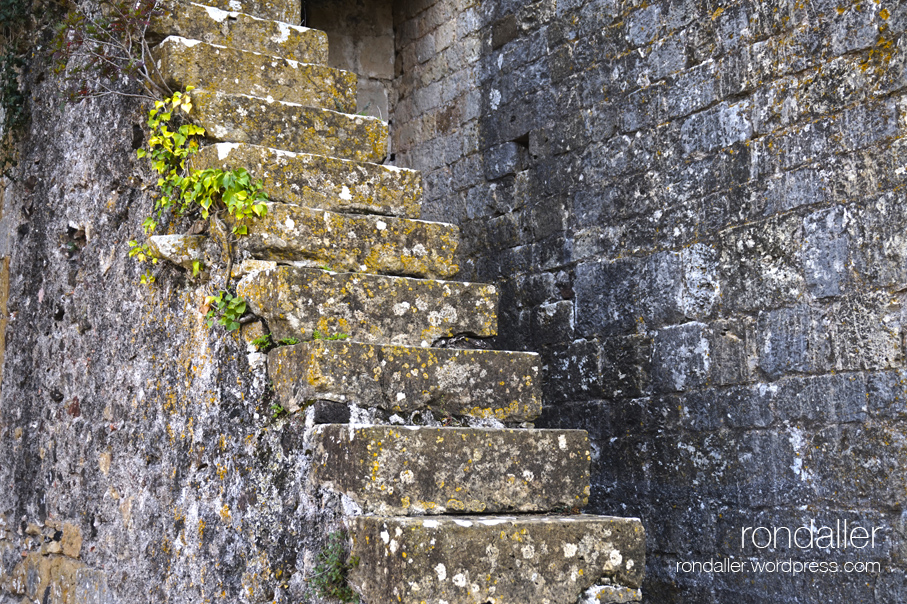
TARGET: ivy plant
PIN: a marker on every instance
(225, 309)
(184, 189)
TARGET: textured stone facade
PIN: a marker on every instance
(694, 211)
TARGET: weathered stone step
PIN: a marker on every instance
(318, 181)
(288, 11)
(497, 560)
(184, 62)
(238, 30)
(402, 379)
(353, 242)
(368, 308)
(395, 470)
(239, 118)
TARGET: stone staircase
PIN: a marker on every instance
(341, 251)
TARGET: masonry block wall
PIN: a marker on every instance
(695, 211)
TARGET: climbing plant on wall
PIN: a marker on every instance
(106, 52)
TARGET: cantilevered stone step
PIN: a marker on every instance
(288, 11)
(239, 118)
(239, 30)
(368, 308)
(420, 470)
(352, 242)
(318, 181)
(183, 62)
(497, 560)
(450, 382)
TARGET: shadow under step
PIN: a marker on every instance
(368, 308)
(239, 30)
(239, 118)
(183, 62)
(319, 181)
(401, 379)
(352, 242)
(497, 559)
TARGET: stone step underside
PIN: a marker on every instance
(288, 11)
(402, 379)
(496, 560)
(368, 308)
(352, 242)
(318, 181)
(183, 62)
(239, 30)
(239, 118)
(394, 470)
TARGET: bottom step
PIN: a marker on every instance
(498, 559)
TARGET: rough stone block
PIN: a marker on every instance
(502, 160)
(477, 383)
(607, 297)
(415, 470)
(369, 308)
(864, 332)
(184, 62)
(721, 126)
(238, 118)
(239, 30)
(317, 181)
(826, 251)
(759, 264)
(680, 357)
(181, 250)
(783, 341)
(501, 560)
(288, 11)
(344, 242)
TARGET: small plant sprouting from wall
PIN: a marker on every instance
(212, 193)
(334, 562)
(105, 53)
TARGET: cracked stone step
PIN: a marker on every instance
(496, 559)
(368, 308)
(353, 242)
(318, 181)
(184, 62)
(450, 382)
(239, 30)
(239, 118)
(394, 470)
(288, 11)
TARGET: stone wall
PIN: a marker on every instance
(695, 212)
(361, 40)
(126, 424)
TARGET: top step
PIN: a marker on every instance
(238, 30)
(288, 11)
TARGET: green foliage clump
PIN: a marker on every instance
(317, 335)
(183, 189)
(262, 343)
(329, 579)
(225, 309)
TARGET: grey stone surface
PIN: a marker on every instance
(318, 181)
(368, 308)
(732, 240)
(482, 558)
(448, 381)
(405, 470)
(351, 242)
(238, 30)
